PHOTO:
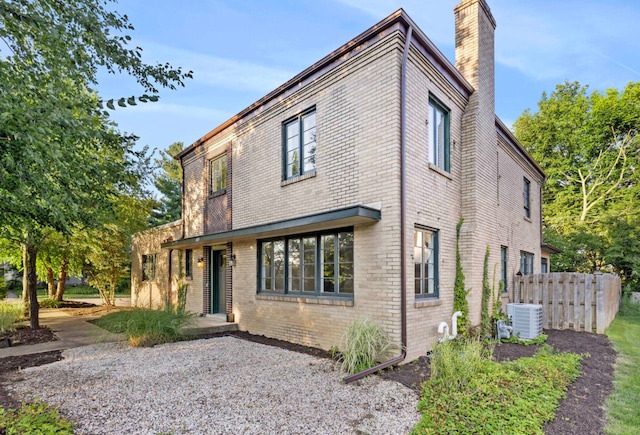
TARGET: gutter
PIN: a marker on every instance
(403, 218)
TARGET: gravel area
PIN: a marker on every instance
(223, 385)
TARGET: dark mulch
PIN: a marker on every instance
(24, 335)
(582, 411)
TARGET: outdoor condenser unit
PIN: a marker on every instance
(526, 320)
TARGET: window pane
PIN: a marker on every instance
(418, 284)
(293, 144)
(433, 138)
(267, 253)
(292, 129)
(309, 121)
(346, 286)
(309, 285)
(294, 265)
(441, 125)
(278, 265)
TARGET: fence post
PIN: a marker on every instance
(600, 303)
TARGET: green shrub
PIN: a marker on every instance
(460, 302)
(145, 327)
(364, 343)
(3, 288)
(34, 419)
(49, 303)
(527, 342)
(10, 313)
(471, 393)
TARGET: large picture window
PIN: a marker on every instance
(425, 259)
(217, 174)
(149, 267)
(300, 144)
(311, 264)
(439, 151)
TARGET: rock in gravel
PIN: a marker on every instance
(223, 385)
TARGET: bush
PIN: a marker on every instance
(144, 327)
(469, 393)
(364, 343)
(10, 313)
(3, 288)
(36, 419)
(49, 303)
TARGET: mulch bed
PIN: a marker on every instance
(25, 335)
(582, 412)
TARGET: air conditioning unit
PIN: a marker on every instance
(526, 320)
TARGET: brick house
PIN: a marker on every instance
(337, 195)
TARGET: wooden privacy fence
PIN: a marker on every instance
(579, 301)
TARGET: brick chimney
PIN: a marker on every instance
(475, 28)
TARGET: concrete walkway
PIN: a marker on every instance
(76, 331)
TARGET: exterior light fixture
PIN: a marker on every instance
(201, 262)
(232, 260)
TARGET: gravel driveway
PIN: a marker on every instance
(217, 386)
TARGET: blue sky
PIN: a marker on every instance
(239, 50)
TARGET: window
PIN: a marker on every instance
(544, 265)
(438, 135)
(188, 262)
(300, 144)
(425, 259)
(526, 263)
(149, 267)
(217, 174)
(504, 267)
(527, 198)
(312, 264)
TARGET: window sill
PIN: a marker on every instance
(424, 303)
(218, 193)
(527, 219)
(298, 178)
(440, 171)
(342, 302)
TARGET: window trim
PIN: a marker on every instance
(298, 118)
(319, 280)
(504, 263)
(223, 180)
(434, 103)
(154, 260)
(435, 233)
(526, 196)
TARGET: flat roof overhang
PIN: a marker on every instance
(344, 217)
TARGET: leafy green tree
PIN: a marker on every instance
(169, 183)
(587, 143)
(61, 160)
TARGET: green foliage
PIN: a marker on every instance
(169, 183)
(10, 313)
(497, 313)
(3, 288)
(35, 419)
(460, 302)
(363, 345)
(474, 394)
(587, 144)
(485, 317)
(527, 342)
(145, 327)
(623, 413)
(49, 303)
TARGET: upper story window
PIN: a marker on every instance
(310, 265)
(504, 267)
(149, 267)
(425, 259)
(526, 193)
(439, 151)
(526, 263)
(544, 265)
(300, 144)
(217, 174)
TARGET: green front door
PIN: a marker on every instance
(218, 302)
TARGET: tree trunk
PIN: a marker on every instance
(51, 283)
(31, 251)
(62, 280)
(25, 280)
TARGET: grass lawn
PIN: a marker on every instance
(623, 412)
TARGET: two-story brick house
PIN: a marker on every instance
(337, 195)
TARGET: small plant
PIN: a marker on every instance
(456, 362)
(10, 313)
(49, 303)
(35, 418)
(364, 343)
(144, 327)
(531, 342)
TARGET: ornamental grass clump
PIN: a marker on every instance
(10, 313)
(144, 327)
(364, 344)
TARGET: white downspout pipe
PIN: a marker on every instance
(443, 328)
(454, 324)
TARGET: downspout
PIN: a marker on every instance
(403, 218)
(182, 210)
(169, 295)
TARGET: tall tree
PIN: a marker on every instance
(61, 161)
(587, 144)
(168, 181)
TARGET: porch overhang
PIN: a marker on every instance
(344, 217)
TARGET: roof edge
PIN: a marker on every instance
(507, 135)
